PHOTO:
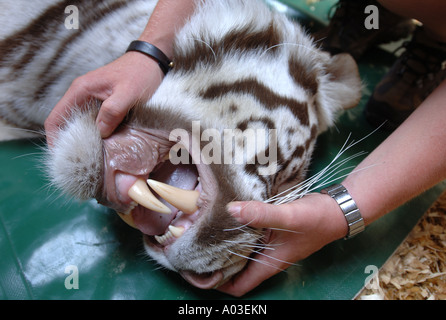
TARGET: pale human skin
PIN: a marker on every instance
(408, 162)
(121, 83)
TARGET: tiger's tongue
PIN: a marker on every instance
(154, 223)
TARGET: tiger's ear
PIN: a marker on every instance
(344, 75)
(339, 87)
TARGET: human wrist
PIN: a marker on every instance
(329, 217)
(143, 62)
(348, 206)
(167, 18)
(152, 52)
(335, 220)
(370, 205)
(161, 41)
(159, 34)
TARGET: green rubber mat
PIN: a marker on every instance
(53, 247)
(315, 10)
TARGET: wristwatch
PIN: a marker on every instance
(348, 206)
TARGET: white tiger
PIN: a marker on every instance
(240, 69)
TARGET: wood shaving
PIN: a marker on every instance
(417, 269)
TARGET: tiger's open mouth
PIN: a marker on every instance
(151, 194)
(164, 205)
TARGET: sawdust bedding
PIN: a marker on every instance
(417, 269)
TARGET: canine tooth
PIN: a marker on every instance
(140, 193)
(185, 200)
(176, 231)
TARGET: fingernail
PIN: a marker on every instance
(234, 209)
(103, 129)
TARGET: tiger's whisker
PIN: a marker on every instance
(207, 45)
(37, 133)
(286, 230)
(261, 247)
(239, 227)
(327, 175)
(277, 259)
(288, 44)
(257, 260)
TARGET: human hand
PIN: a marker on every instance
(120, 84)
(298, 229)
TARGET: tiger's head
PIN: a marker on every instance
(235, 119)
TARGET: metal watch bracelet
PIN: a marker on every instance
(348, 206)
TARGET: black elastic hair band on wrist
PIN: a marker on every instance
(153, 52)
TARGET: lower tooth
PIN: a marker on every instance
(171, 234)
(163, 239)
(159, 239)
(176, 231)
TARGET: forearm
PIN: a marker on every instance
(166, 19)
(409, 161)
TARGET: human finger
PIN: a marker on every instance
(261, 215)
(113, 110)
(80, 91)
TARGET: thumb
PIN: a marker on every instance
(260, 215)
(113, 111)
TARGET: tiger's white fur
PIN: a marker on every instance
(282, 81)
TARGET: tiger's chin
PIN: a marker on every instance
(204, 280)
(197, 272)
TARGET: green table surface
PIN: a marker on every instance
(47, 239)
